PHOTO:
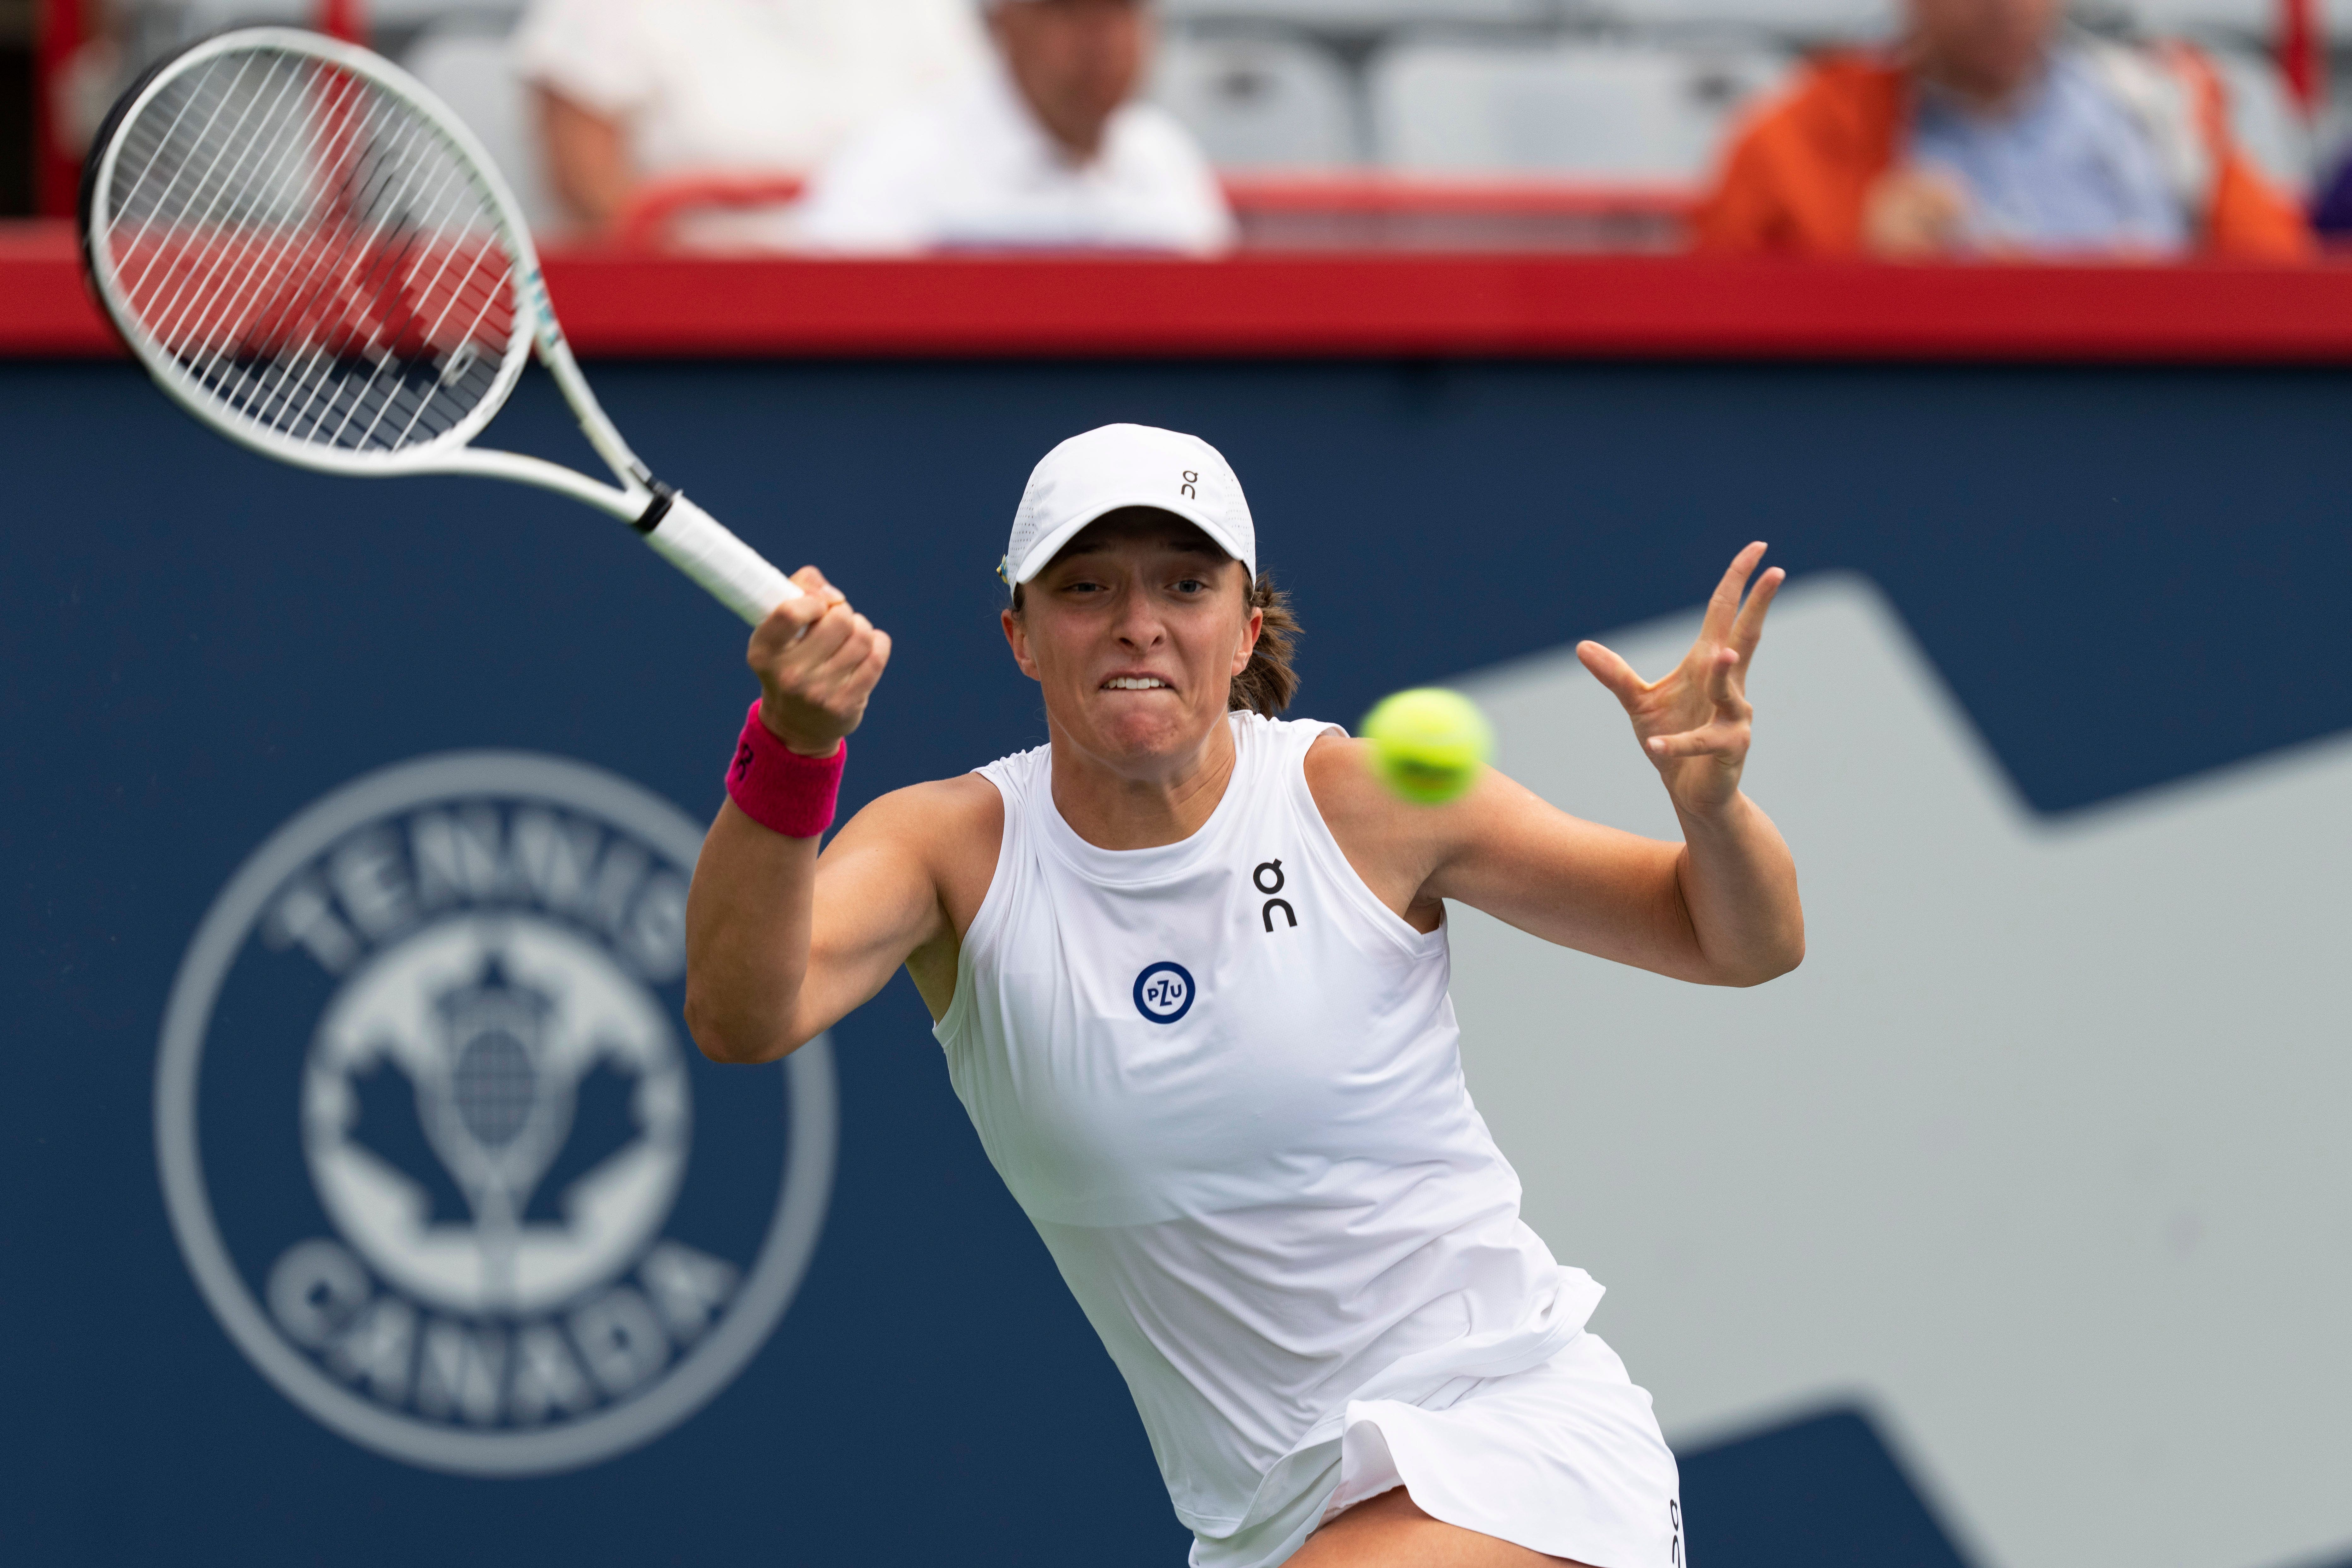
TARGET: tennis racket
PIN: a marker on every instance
(312, 255)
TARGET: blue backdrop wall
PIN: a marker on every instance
(2126, 577)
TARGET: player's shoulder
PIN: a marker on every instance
(1344, 778)
(951, 810)
(1336, 753)
(937, 841)
(1340, 776)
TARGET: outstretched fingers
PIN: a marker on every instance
(1723, 604)
(1729, 741)
(1726, 736)
(1748, 630)
(1612, 672)
(1722, 683)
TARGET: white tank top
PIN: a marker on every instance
(1224, 1079)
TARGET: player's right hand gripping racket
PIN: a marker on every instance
(312, 255)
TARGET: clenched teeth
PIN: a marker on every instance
(1135, 683)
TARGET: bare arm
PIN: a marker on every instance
(781, 943)
(1720, 907)
(784, 942)
(587, 158)
(1735, 881)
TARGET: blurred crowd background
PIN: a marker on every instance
(1897, 128)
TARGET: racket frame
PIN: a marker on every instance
(687, 536)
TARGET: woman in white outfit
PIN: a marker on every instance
(1188, 964)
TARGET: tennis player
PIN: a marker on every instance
(1188, 963)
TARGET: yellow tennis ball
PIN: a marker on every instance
(1429, 744)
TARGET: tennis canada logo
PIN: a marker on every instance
(428, 1127)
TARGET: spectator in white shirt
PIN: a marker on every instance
(638, 91)
(1052, 150)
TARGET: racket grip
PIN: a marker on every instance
(737, 575)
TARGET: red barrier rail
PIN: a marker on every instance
(645, 224)
(1380, 193)
(1401, 212)
(1317, 305)
(1309, 211)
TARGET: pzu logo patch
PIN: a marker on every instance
(1163, 992)
(429, 1131)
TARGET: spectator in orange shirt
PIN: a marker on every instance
(1985, 133)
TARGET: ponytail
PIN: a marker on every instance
(1269, 682)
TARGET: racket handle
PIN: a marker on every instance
(737, 575)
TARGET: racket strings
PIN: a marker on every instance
(312, 253)
(382, 300)
(373, 293)
(368, 290)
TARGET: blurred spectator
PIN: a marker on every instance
(1051, 149)
(1987, 133)
(633, 92)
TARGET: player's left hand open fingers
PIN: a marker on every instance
(1748, 630)
(1727, 686)
(1726, 741)
(1723, 604)
(1611, 670)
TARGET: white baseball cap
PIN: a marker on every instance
(1122, 466)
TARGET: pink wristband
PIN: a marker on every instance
(780, 789)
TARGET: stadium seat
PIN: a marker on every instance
(2245, 19)
(1260, 102)
(1809, 21)
(473, 73)
(1620, 113)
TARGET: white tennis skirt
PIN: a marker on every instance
(1564, 1459)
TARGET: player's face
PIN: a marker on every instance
(1136, 632)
